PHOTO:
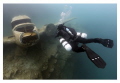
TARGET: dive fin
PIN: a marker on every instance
(107, 43)
(95, 58)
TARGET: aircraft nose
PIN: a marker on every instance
(29, 37)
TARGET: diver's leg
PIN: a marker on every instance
(105, 42)
(83, 40)
(78, 49)
(75, 47)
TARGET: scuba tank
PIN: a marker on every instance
(83, 35)
(65, 44)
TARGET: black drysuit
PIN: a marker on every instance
(74, 40)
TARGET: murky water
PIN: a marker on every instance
(97, 20)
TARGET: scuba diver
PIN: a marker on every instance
(70, 40)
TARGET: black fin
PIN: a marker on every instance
(107, 43)
(95, 58)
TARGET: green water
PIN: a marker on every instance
(97, 20)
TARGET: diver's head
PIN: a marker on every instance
(60, 27)
(25, 32)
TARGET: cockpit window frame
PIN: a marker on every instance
(25, 28)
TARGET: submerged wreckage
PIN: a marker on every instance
(33, 53)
